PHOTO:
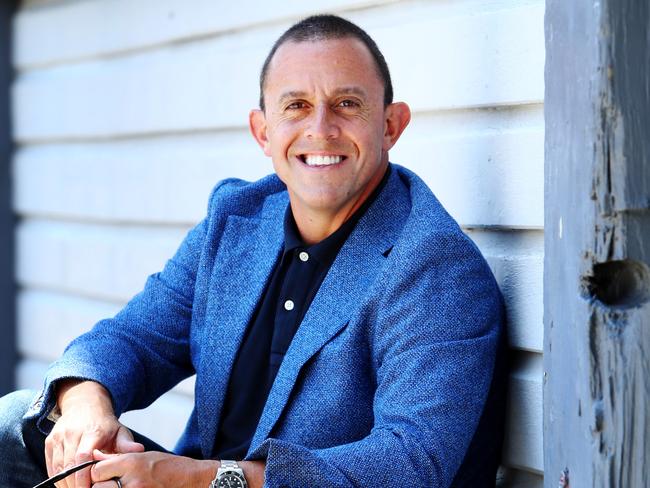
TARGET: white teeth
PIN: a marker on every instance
(313, 160)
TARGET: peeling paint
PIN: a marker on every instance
(601, 337)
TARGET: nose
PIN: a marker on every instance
(322, 124)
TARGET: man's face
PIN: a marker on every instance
(325, 125)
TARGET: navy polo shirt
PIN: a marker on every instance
(295, 280)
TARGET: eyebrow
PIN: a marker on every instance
(291, 95)
(347, 90)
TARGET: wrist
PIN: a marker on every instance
(254, 472)
(204, 473)
(73, 392)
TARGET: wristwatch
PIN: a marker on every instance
(229, 475)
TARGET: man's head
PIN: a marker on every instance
(326, 123)
(328, 27)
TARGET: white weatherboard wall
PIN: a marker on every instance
(127, 112)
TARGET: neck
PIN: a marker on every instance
(316, 224)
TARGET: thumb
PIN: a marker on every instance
(102, 456)
(124, 442)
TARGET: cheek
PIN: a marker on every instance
(370, 144)
(281, 140)
(368, 136)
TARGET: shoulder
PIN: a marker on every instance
(426, 226)
(426, 213)
(234, 196)
(433, 259)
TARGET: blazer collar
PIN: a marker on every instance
(342, 292)
(249, 248)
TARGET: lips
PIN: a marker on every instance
(314, 160)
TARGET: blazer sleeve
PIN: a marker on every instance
(435, 333)
(145, 349)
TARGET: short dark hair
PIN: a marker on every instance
(326, 27)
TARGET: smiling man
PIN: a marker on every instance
(343, 331)
(327, 126)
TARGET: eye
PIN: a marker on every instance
(347, 103)
(296, 105)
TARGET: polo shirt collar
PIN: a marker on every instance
(326, 250)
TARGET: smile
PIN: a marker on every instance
(319, 160)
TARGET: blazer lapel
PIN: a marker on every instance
(247, 253)
(341, 293)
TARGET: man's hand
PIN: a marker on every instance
(87, 422)
(151, 470)
(163, 470)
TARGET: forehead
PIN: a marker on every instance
(326, 63)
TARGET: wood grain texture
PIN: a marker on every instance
(597, 268)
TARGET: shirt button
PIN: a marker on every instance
(288, 305)
(304, 257)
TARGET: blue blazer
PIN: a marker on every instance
(388, 376)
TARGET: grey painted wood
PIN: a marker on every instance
(7, 291)
(597, 244)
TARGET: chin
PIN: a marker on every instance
(323, 202)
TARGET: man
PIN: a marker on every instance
(343, 330)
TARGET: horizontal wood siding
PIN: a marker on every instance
(125, 123)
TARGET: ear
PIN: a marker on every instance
(257, 124)
(396, 117)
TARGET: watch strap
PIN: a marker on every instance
(227, 465)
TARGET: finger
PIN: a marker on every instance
(53, 453)
(70, 447)
(124, 442)
(56, 465)
(49, 452)
(103, 456)
(85, 453)
(110, 466)
(108, 484)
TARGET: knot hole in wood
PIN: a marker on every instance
(619, 284)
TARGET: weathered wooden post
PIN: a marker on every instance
(597, 250)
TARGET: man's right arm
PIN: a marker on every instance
(87, 421)
(123, 363)
(144, 350)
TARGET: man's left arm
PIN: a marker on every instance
(435, 334)
(165, 470)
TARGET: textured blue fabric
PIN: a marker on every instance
(22, 451)
(387, 377)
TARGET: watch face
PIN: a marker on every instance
(230, 480)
